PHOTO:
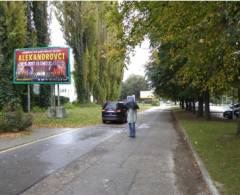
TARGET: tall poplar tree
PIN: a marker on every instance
(12, 35)
(95, 40)
(73, 17)
(40, 18)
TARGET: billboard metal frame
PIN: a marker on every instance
(38, 82)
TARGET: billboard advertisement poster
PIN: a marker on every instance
(146, 95)
(48, 65)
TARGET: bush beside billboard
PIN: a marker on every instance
(48, 65)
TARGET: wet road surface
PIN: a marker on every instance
(25, 166)
(122, 165)
(101, 160)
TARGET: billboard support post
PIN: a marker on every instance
(51, 96)
(58, 95)
(54, 97)
(53, 102)
(52, 108)
(29, 99)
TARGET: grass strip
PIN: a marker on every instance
(77, 116)
(219, 148)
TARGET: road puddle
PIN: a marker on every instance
(144, 126)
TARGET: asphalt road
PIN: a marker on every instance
(25, 166)
(104, 160)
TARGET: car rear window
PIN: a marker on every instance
(121, 106)
(236, 105)
(111, 105)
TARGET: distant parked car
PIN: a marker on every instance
(114, 111)
(234, 108)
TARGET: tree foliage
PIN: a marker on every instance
(12, 35)
(22, 24)
(94, 30)
(196, 46)
(133, 85)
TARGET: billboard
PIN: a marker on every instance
(146, 95)
(48, 65)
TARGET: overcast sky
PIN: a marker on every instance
(137, 61)
(57, 38)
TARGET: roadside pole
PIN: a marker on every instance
(29, 99)
(53, 95)
(233, 102)
(58, 95)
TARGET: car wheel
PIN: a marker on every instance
(104, 121)
(121, 121)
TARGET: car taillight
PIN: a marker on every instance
(103, 110)
(118, 110)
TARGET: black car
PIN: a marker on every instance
(232, 109)
(114, 111)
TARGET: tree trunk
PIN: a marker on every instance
(238, 121)
(40, 18)
(238, 126)
(187, 105)
(190, 105)
(207, 107)
(193, 107)
(200, 106)
(182, 104)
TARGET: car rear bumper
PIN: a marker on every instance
(112, 118)
(229, 114)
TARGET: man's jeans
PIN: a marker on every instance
(132, 129)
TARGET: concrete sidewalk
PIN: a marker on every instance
(122, 165)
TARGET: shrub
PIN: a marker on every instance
(87, 105)
(63, 100)
(14, 119)
(155, 103)
(75, 102)
(3, 125)
(38, 109)
(69, 106)
(26, 122)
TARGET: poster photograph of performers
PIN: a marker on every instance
(42, 65)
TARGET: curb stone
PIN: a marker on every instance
(206, 177)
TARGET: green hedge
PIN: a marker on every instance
(14, 119)
(155, 103)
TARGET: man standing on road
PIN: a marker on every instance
(132, 117)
